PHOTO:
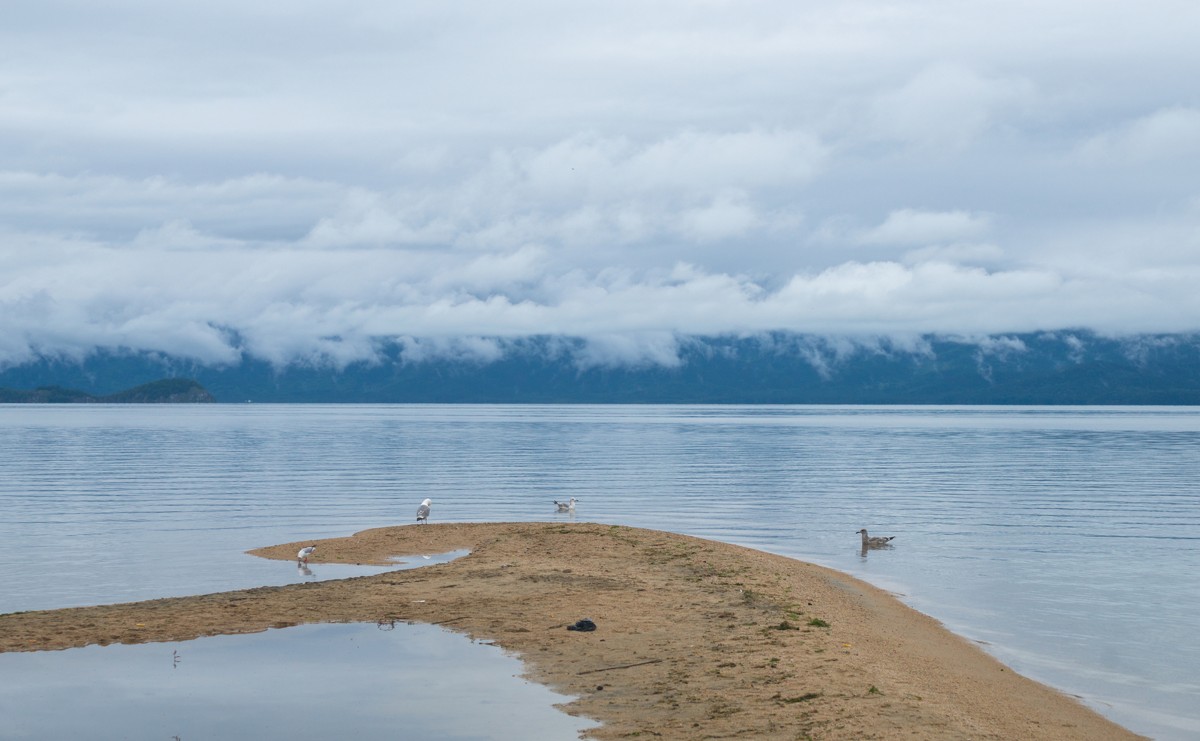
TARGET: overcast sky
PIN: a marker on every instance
(299, 177)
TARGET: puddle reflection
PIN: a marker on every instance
(327, 571)
(307, 682)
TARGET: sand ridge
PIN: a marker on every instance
(696, 639)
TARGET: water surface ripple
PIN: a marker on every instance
(1067, 540)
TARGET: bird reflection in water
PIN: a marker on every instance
(874, 543)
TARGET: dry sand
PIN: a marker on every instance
(695, 639)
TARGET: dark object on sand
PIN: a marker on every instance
(584, 625)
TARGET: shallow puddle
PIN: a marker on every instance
(325, 681)
(328, 571)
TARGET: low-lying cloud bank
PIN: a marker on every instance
(286, 306)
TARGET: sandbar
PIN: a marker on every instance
(694, 639)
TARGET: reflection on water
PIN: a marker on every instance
(865, 550)
(326, 571)
(307, 682)
(1066, 538)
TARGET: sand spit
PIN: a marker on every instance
(695, 639)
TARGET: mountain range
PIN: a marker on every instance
(1063, 367)
(164, 391)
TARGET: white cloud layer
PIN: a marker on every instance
(294, 179)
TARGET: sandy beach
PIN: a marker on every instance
(695, 639)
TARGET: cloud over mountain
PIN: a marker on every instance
(287, 181)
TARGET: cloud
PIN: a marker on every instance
(629, 350)
(285, 304)
(958, 253)
(297, 181)
(480, 350)
(912, 227)
(946, 107)
(1169, 133)
(592, 191)
(247, 208)
(727, 215)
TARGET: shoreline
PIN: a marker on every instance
(694, 638)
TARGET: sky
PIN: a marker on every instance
(298, 179)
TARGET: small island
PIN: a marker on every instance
(165, 391)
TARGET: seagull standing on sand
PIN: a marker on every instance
(877, 542)
(567, 506)
(423, 511)
(302, 556)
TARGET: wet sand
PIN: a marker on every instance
(695, 639)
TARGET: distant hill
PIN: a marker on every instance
(1064, 367)
(166, 391)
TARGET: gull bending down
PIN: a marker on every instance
(423, 511)
(305, 552)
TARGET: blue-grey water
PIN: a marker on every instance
(1065, 540)
(308, 682)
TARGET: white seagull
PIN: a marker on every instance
(423, 511)
(568, 506)
(878, 542)
(302, 556)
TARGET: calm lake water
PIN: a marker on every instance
(1066, 540)
(308, 682)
